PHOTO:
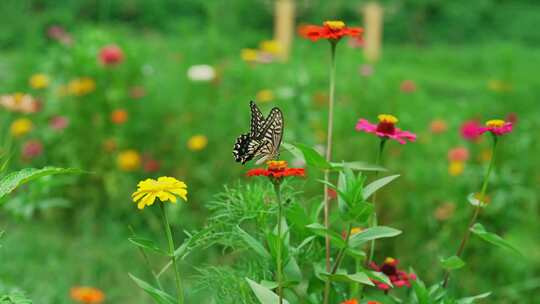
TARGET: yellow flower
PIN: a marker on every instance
(456, 168)
(21, 127)
(164, 188)
(197, 142)
(39, 81)
(495, 123)
(129, 160)
(81, 86)
(265, 95)
(271, 46)
(356, 230)
(249, 55)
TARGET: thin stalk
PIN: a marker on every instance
(374, 216)
(339, 259)
(329, 157)
(477, 209)
(179, 290)
(279, 271)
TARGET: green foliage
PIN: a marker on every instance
(452, 263)
(159, 296)
(263, 294)
(479, 230)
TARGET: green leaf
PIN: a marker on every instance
(377, 184)
(358, 277)
(321, 231)
(147, 244)
(263, 294)
(356, 165)
(292, 271)
(313, 158)
(470, 300)
(13, 180)
(452, 263)
(255, 245)
(492, 238)
(379, 276)
(473, 200)
(422, 293)
(373, 233)
(158, 295)
(294, 150)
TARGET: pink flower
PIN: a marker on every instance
(58, 33)
(399, 278)
(458, 154)
(469, 130)
(497, 127)
(386, 129)
(366, 70)
(32, 149)
(407, 86)
(111, 55)
(59, 123)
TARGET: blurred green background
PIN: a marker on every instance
(443, 63)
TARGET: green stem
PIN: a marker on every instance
(179, 290)
(341, 252)
(329, 132)
(374, 217)
(481, 199)
(279, 262)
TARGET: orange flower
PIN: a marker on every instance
(87, 295)
(351, 301)
(276, 171)
(331, 30)
(119, 116)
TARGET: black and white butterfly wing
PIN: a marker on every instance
(264, 138)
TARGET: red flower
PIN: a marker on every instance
(32, 149)
(458, 154)
(398, 277)
(276, 171)
(351, 301)
(407, 86)
(111, 55)
(331, 30)
(497, 127)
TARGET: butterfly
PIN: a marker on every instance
(263, 139)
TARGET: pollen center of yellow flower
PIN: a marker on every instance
(276, 165)
(334, 25)
(389, 260)
(387, 118)
(495, 123)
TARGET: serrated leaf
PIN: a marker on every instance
(378, 184)
(147, 244)
(313, 158)
(13, 180)
(255, 245)
(263, 294)
(372, 233)
(158, 295)
(479, 230)
(452, 263)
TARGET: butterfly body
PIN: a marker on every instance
(264, 138)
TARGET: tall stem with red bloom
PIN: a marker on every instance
(374, 216)
(496, 128)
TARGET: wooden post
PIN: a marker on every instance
(284, 26)
(373, 26)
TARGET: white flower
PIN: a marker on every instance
(202, 72)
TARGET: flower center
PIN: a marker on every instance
(495, 123)
(334, 25)
(276, 165)
(386, 124)
(389, 267)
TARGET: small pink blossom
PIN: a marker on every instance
(59, 123)
(32, 149)
(386, 129)
(111, 55)
(366, 70)
(408, 86)
(458, 154)
(469, 130)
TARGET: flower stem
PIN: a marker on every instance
(279, 262)
(146, 260)
(476, 213)
(332, 88)
(179, 290)
(374, 216)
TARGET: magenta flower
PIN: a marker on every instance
(469, 130)
(32, 149)
(386, 129)
(110, 55)
(59, 123)
(399, 278)
(497, 127)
